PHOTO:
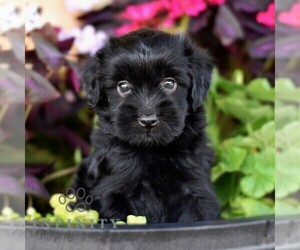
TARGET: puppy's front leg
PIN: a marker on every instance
(145, 202)
(193, 206)
(199, 209)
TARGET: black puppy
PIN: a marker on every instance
(151, 155)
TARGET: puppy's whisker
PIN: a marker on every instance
(178, 139)
(190, 127)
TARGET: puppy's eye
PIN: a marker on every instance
(124, 88)
(169, 85)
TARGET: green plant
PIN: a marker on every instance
(242, 131)
(287, 148)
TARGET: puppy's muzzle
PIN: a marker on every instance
(148, 121)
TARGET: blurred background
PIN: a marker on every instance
(61, 34)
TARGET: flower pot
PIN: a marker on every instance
(228, 234)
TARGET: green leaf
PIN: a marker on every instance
(247, 111)
(238, 77)
(214, 81)
(259, 170)
(261, 89)
(232, 158)
(285, 114)
(77, 156)
(265, 136)
(218, 82)
(233, 106)
(261, 138)
(230, 213)
(241, 141)
(214, 134)
(216, 172)
(287, 172)
(257, 185)
(248, 207)
(249, 164)
(222, 188)
(284, 84)
(38, 155)
(96, 122)
(286, 90)
(252, 207)
(257, 113)
(287, 207)
(289, 136)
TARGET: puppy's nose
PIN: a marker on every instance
(148, 121)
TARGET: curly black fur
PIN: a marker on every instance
(163, 174)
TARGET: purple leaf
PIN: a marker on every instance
(250, 6)
(284, 5)
(38, 170)
(49, 33)
(227, 27)
(2, 136)
(74, 76)
(105, 15)
(11, 170)
(38, 88)
(288, 47)
(10, 186)
(74, 140)
(35, 187)
(284, 30)
(33, 59)
(199, 22)
(70, 137)
(11, 87)
(16, 38)
(263, 47)
(47, 53)
(65, 45)
(46, 115)
(255, 29)
(75, 80)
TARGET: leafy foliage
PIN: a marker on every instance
(242, 129)
(287, 148)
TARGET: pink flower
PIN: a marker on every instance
(142, 12)
(268, 17)
(161, 12)
(292, 17)
(216, 2)
(168, 22)
(126, 28)
(178, 8)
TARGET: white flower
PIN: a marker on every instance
(10, 17)
(67, 34)
(33, 19)
(87, 40)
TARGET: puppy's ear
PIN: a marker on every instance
(201, 66)
(92, 81)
